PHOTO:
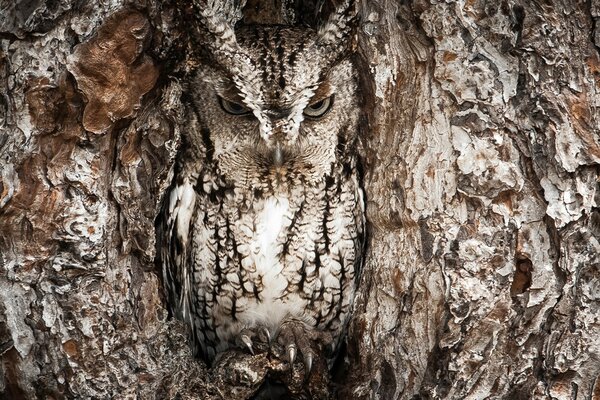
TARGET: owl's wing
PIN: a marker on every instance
(174, 230)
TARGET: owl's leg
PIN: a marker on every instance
(297, 337)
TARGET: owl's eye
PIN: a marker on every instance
(233, 108)
(318, 109)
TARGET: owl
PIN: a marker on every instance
(263, 227)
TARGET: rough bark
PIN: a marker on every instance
(482, 176)
(480, 153)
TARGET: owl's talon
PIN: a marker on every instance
(308, 360)
(248, 342)
(291, 348)
(296, 337)
(267, 334)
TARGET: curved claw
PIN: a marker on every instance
(268, 334)
(248, 342)
(291, 349)
(308, 360)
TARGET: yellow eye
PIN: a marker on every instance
(233, 108)
(318, 109)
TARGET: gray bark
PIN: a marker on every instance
(480, 152)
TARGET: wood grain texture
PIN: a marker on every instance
(480, 167)
(499, 157)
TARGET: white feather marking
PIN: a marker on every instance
(270, 223)
(185, 209)
(278, 159)
(265, 124)
(172, 202)
(265, 249)
(186, 199)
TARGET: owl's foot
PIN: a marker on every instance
(254, 339)
(297, 342)
(298, 338)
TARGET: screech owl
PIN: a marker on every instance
(263, 227)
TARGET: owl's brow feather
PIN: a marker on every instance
(322, 92)
(230, 92)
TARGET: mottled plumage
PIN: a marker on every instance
(264, 222)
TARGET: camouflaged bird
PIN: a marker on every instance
(262, 230)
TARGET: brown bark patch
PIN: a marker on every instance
(112, 70)
(522, 278)
(596, 393)
(45, 103)
(54, 107)
(506, 198)
(449, 56)
(583, 123)
(70, 348)
(593, 63)
(36, 210)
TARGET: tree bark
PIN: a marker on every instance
(481, 161)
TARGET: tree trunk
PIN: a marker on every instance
(480, 154)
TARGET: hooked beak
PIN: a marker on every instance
(278, 155)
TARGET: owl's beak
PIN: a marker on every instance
(277, 155)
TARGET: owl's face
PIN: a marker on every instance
(280, 111)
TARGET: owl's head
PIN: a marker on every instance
(277, 103)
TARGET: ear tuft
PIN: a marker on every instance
(218, 18)
(338, 28)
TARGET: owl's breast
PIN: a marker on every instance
(258, 261)
(263, 235)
